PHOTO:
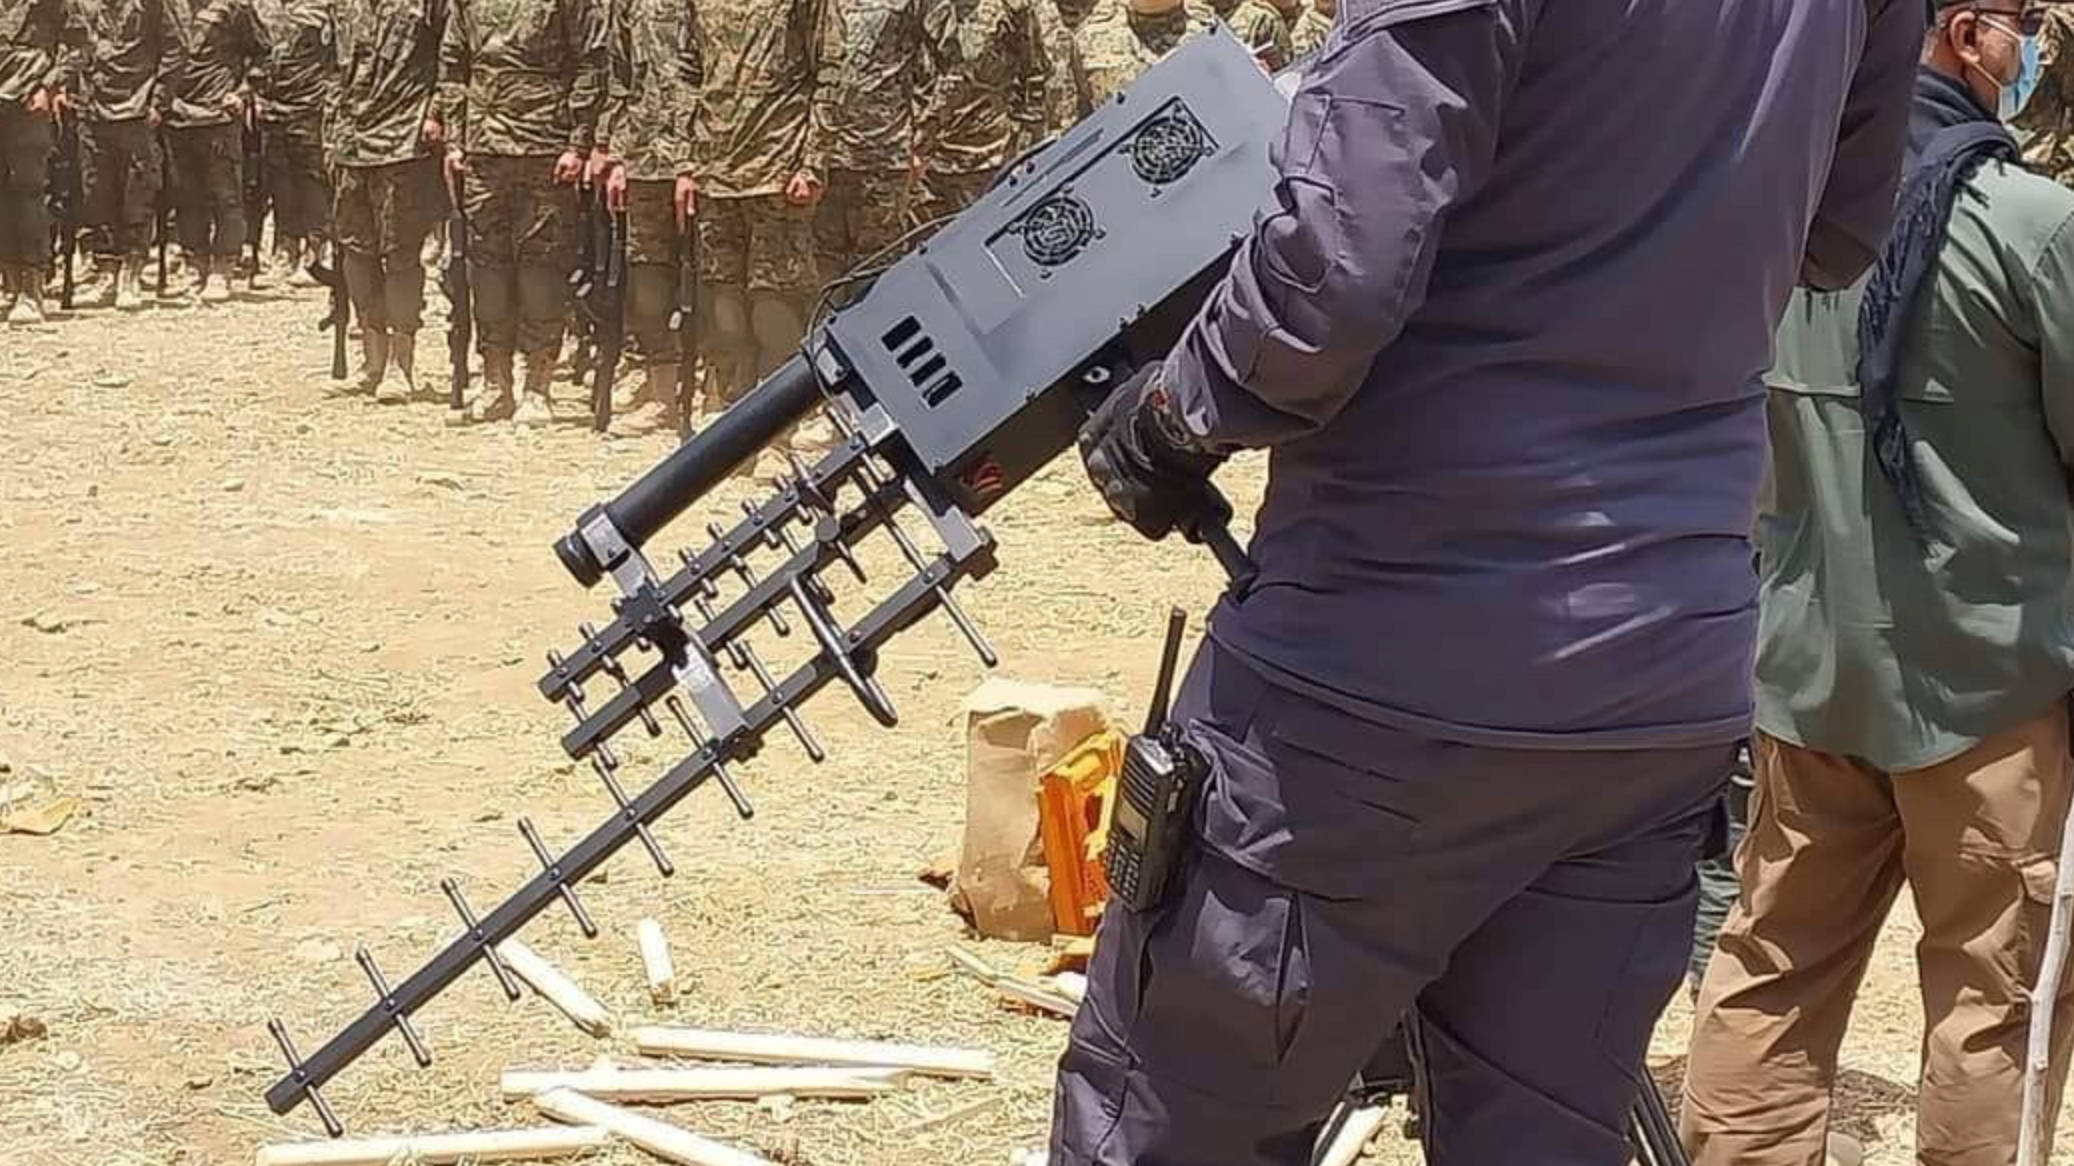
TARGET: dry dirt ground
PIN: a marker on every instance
(282, 645)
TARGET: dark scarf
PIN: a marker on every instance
(1950, 133)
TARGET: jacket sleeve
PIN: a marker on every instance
(451, 98)
(825, 51)
(691, 83)
(941, 53)
(2052, 301)
(589, 71)
(258, 46)
(1857, 205)
(1396, 123)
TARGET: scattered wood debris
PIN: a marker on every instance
(474, 1146)
(556, 988)
(660, 1138)
(705, 1084)
(655, 961)
(754, 1048)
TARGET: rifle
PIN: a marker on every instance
(65, 198)
(453, 280)
(340, 315)
(583, 280)
(684, 320)
(608, 311)
(253, 140)
(164, 216)
(964, 369)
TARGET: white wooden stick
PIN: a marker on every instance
(1038, 996)
(655, 959)
(667, 1085)
(1350, 1136)
(473, 1146)
(558, 989)
(2052, 968)
(660, 1138)
(759, 1049)
(1071, 985)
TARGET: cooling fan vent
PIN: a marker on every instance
(1057, 229)
(1168, 148)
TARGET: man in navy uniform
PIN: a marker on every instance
(1502, 327)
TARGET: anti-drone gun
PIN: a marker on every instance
(966, 366)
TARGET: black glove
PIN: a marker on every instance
(1148, 479)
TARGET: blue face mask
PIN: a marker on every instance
(2030, 69)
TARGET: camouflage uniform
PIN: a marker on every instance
(29, 32)
(292, 89)
(991, 108)
(1260, 26)
(1312, 26)
(1121, 43)
(388, 195)
(211, 46)
(656, 74)
(112, 62)
(521, 82)
(894, 53)
(765, 113)
(1067, 98)
(2047, 123)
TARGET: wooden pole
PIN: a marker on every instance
(660, 1138)
(1350, 1135)
(668, 1085)
(472, 1146)
(700, 1044)
(655, 960)
(558, 989)
(2052, 969)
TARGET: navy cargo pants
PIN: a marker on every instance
(1535, 907)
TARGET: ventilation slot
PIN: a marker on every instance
(917, 356)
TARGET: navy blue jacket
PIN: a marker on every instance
(1504, 334)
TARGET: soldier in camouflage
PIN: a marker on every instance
(212, 46)
(894, 54)
(112, 63)
(1260, 25)
(1128, 38)
(657, 71)
(522, 85)
(1067, 97)
(1312, 25)
(2047, 122)
(29, 79)
(766, 118)
(289, 94)
(383, 137)
(990, 109)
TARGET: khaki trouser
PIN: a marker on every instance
(1830, 842)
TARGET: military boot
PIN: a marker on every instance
(107, 284)
(374, 357)
(215, 278)
(300, 277)
(639, 408)
(491, 399)
(399, 383)
(28, 297)
(128, 278)
(533, 408)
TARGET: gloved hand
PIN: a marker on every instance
(1148, 479)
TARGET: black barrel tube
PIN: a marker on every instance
(705, 461)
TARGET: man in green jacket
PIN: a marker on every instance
(1917, 642)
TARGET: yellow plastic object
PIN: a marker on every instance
(1074, 801)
